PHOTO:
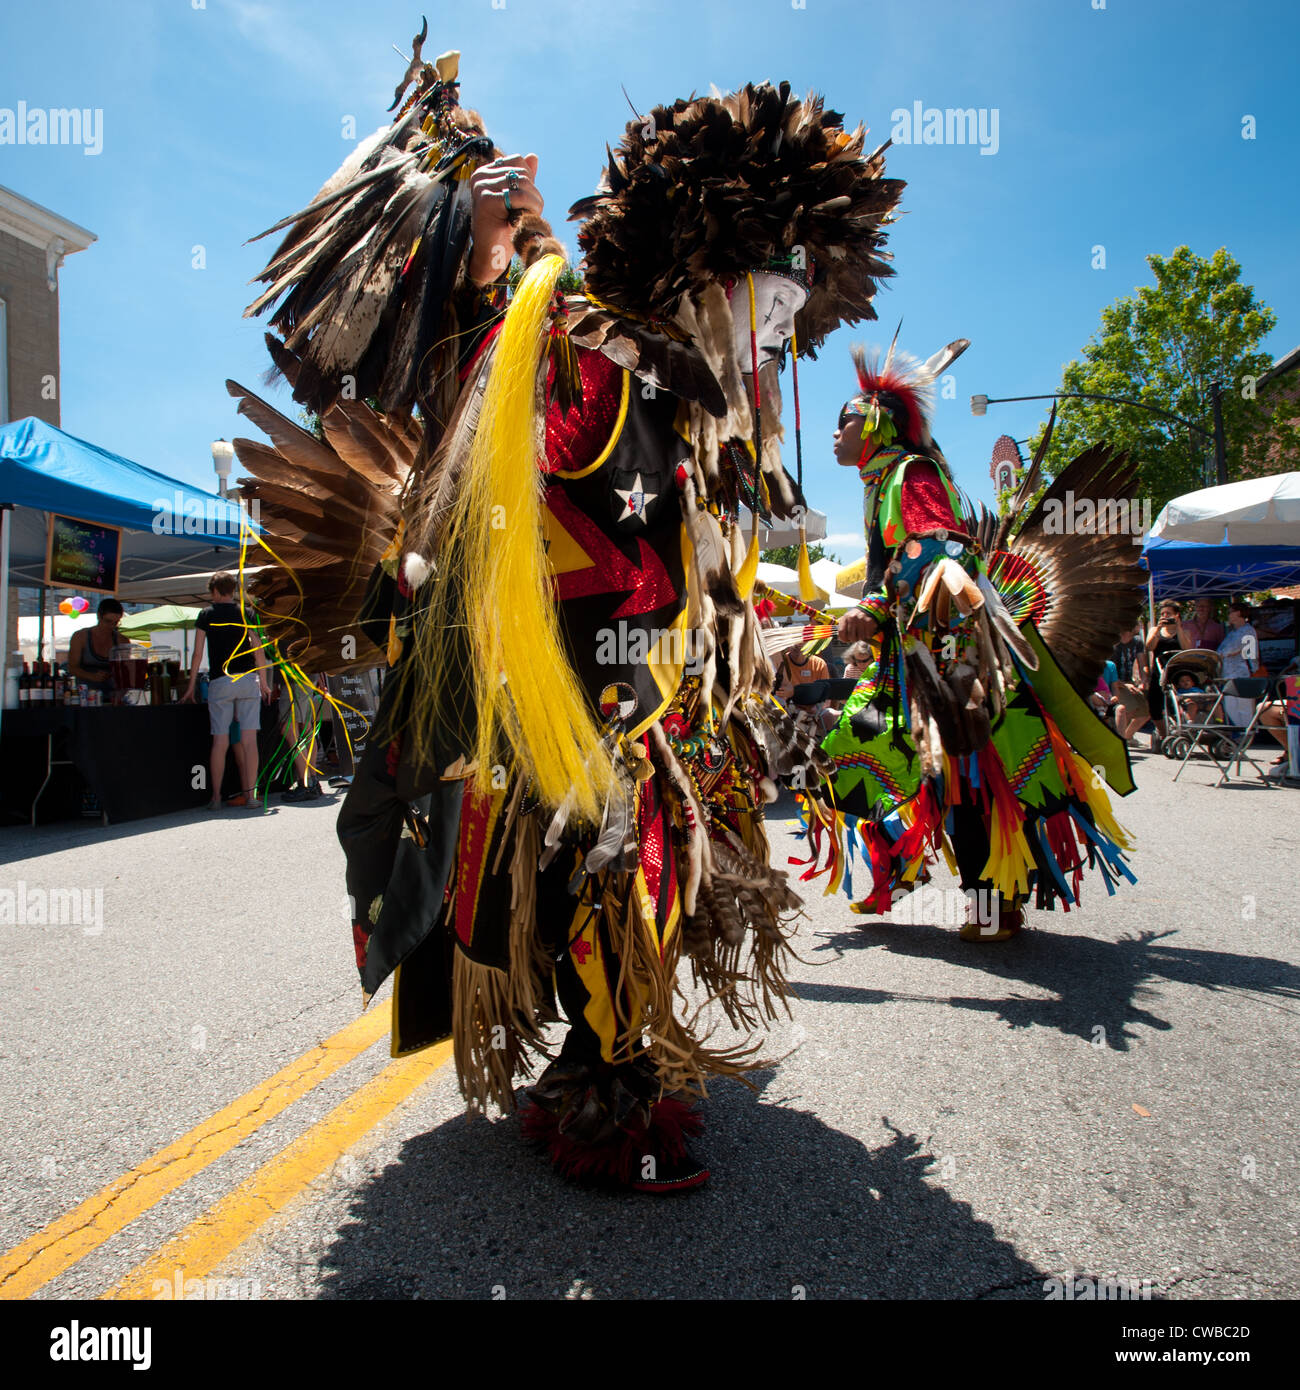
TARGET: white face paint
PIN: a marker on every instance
(776, 302)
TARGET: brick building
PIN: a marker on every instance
(1279, 391)
(33, 243)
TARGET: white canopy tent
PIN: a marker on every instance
(1255, 511)
(786, 581)
(781, 534)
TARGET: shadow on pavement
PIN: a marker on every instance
(1096, 982)
(792, 1204)
(28, 842)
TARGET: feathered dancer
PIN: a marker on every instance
(969, 730)
(564, 794)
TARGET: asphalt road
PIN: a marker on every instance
(1113, 1093)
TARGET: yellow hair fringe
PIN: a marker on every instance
(527, 699)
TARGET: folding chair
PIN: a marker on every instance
(1231, 741)
(1189, 734)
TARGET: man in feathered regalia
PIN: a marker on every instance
(561, 804)
(969, 731)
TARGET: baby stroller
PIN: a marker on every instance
(1205, 718)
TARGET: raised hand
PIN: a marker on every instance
(499, 192)
(856, 626)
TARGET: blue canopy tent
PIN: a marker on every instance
(44, 470)
(168, 527)
(1189, 569)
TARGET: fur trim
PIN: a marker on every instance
(620, 1161)
(417, 569)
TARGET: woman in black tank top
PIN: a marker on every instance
(1162, 641)
(91, 648)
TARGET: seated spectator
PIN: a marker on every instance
(1100, 698)
(1129, 656)
(1128, 698)
(1193, 700)
(856, 659)
(1273, 718)
(798, 669)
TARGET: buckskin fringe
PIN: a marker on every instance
(483, 1014)
(530, 965)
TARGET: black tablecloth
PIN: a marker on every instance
(139, 760)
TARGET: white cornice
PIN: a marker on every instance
(39, 226)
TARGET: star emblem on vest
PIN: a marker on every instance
(635, 500)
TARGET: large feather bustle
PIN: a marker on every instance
(328, 508)
(1092, 577)
(711, 188)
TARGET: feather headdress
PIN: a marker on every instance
(362, 283)
(896, 394)
(711, 188)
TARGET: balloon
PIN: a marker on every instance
(80, 604)
(68, 607)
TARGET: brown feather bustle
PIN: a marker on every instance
(328, 508)
(711, 188)
(1092, 576)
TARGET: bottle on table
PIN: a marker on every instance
(24, 687)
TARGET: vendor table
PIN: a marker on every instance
(138, 760)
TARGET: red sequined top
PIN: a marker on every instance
(576, 440)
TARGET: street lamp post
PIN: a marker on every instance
(979, 406)
(1220, 448)
(222, 454)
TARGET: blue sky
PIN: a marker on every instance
(1118, 126)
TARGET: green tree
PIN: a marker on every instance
(788, 555)
(1166, 346)
(570, 281)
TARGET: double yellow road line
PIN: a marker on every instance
(31, 1265)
